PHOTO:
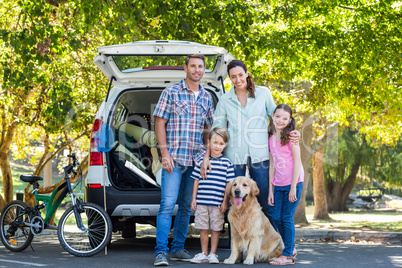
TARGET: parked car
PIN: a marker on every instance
(128, 174)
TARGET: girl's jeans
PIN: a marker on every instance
(259, 172)
(177, 186)
(283, 215)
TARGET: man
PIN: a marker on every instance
(184, 111)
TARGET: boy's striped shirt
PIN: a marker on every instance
(212, 190)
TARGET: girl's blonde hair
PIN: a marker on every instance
(285, 135)
(221, 132)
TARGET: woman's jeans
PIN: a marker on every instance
(283, 215)
(177, 186)
(259, 172)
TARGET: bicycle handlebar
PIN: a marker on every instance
(70, 168)
(75, 160)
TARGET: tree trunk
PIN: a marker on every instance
(47, 173)
(320, 201)
(2, 202)
(8, 130)
(333, 193)
(7, 177)
(305, 152)
(338, 194)
(348, 186)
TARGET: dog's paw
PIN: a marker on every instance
(229, 261)
(248, 261)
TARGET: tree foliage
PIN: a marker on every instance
(388, 169)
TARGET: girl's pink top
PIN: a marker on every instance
(283, 161)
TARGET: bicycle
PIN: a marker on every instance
(83, 230)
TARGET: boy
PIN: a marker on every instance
(209, 198)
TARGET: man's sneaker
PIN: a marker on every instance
(160, 260)
(181, 255)
(199, 258)
(213, 258)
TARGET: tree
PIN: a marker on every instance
(374, 161)
(40, 85)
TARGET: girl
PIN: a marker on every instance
(286, 176)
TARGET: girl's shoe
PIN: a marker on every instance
(282, 260)
(294, 254)
(213, 258)
(199, 258)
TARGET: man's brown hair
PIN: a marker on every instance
(195, 56)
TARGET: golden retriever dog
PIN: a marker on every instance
(251, 232)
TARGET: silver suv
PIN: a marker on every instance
(129, 174)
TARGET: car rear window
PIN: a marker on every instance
(138, 63)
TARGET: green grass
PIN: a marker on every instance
(359, 219)
(390, 226)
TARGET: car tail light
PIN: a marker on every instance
(95, 157)
(94, 186)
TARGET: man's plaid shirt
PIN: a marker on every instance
(186, 118)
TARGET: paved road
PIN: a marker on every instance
(139, 253)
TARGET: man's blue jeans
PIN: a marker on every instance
(283, 215)
(177, 186)
(259, 172)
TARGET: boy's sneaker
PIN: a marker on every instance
(181, 255)
(213, 258)
(199, 258)
(160, 260)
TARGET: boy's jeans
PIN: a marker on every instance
(283, 215)
(177, 186)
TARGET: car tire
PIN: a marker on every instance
(129, 230)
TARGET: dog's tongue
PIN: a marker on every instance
(238, 201)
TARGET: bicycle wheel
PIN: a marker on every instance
(15, 237)
(90, 241)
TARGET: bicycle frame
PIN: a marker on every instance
(52, 205)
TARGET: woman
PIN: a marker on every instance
(243, 112)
